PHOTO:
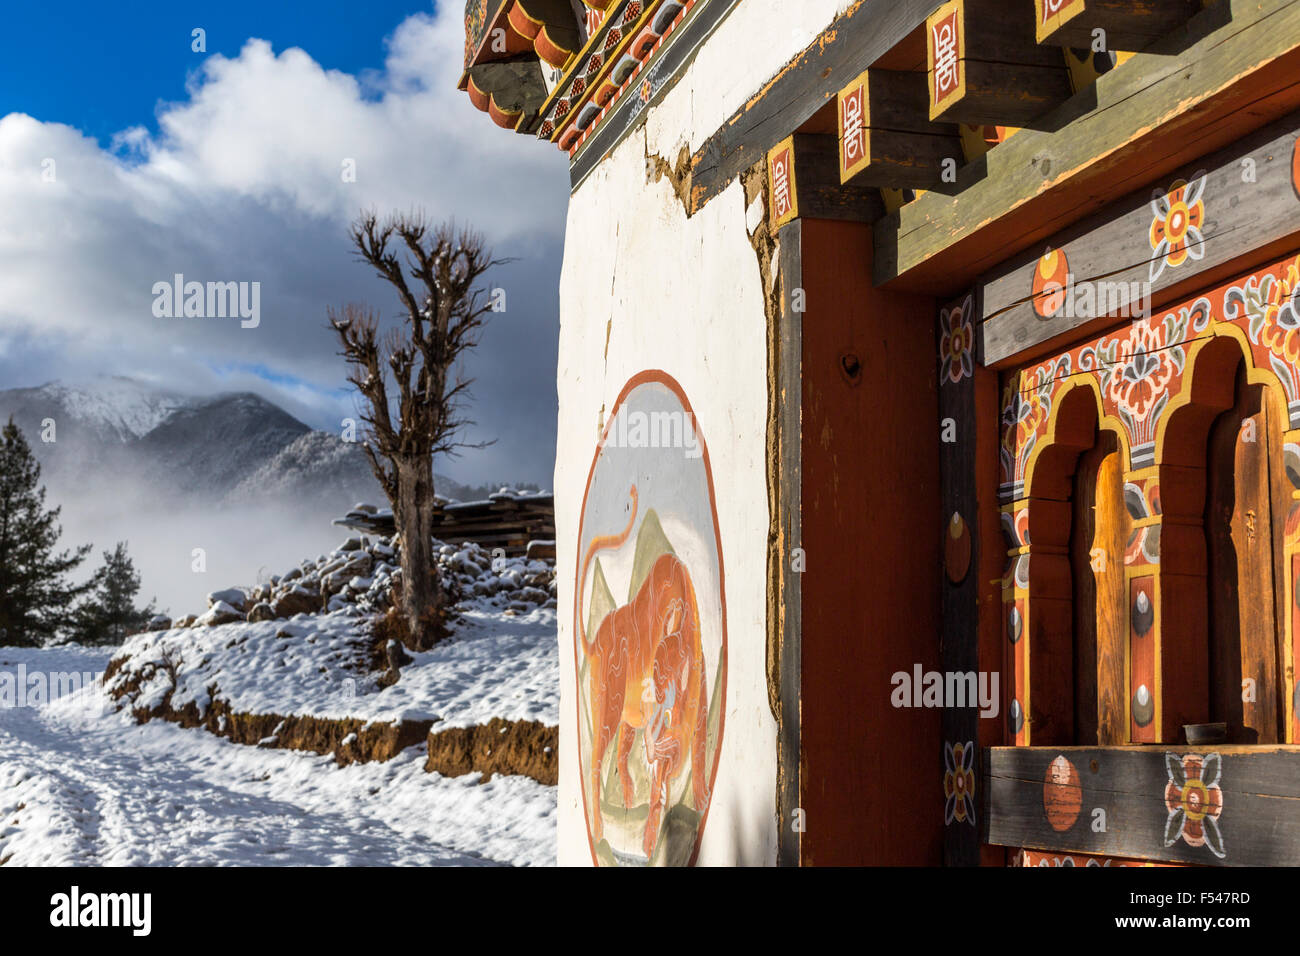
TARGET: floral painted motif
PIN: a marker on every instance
(1142, 501)
(1024, 417)
(1140, 370)
(1271, 306)
(956, 342)
(1194, 801)
(959, 783)
(1179, 215)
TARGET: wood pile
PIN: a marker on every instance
(509, 520)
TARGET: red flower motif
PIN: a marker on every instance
(1194, 800)
(959, 783)
(956, 342)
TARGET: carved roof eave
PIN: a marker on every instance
(648, 22)
(540, 32)
(510, 91)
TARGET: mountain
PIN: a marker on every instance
(210, 445)
(117, 408)
(231, 448)
(167, 448)
(233, 477)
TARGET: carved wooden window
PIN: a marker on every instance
(1150, 483)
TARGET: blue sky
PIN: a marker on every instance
(224, 165)
(104, 67)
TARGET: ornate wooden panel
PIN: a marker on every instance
(1229, 806)
(1158, 385)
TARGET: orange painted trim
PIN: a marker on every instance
(525, 24)
(611, 57)
(551, 52)
(481, 99)
(852, 109)
(506, 119)
(1291, 685)
(1144, 642)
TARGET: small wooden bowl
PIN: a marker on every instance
(1199, 734)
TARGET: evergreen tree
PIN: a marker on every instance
(35, 595)
(109, 615)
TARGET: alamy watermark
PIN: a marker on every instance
(133, 911)
(36, 688)
(675, 429)
(954, 689)
(179, 299)
(1091, 299)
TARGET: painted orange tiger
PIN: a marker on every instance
(647, 673)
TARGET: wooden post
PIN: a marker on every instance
(986, 67)
(1291, 581)
(959, 633)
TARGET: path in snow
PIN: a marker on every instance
(97, 789)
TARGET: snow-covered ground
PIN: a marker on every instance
(86, 785)
(492, 665)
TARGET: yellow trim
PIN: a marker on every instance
(849, 170)
(784, 145)
(1255, 376)
(585, 54)
(943, 13)
(519, 5)
(1046, 24)
(1109, 422)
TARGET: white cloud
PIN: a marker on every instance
(243, 182)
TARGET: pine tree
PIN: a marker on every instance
(109, 615)
(35, 595)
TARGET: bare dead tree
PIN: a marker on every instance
(442, 313)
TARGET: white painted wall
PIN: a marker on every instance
(682, 295)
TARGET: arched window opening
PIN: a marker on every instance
(1247, 497)
(1099, 533)
(1078, 531)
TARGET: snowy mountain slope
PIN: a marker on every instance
(84, 782)
(209, 445)
(184, 449)
(312, 665)
(230, 448)
(315, 465)
(117, 408)
(500, 660)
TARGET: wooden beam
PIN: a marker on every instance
(804, 181)
(1226, 806)
(885, 137)
(1243, 201)
(986, 67)
(1201, 88)
(866, 31)
(1124, 24)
